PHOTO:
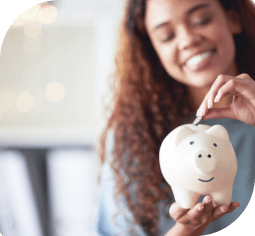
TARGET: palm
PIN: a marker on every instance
(198, 218)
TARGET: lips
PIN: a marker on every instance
(199, 59)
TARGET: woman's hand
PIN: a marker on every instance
(242, 88)
(194, 221)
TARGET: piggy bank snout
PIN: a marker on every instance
(204, 160)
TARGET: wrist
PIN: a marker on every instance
(192, 230)
(185, 230)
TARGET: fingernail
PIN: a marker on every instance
(237, 204)
(224, 209)
(217, 98)
(209, 200)
(200, 208)
(198, 112)
(210, 104)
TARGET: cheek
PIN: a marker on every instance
(167, 55)
(223, 40)
(169, 59)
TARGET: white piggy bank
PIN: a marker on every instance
(199, 160)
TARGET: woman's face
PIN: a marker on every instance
(193, 39)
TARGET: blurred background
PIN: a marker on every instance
(56, 62)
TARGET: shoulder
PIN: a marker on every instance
(237, 130)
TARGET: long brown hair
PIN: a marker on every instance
(148, 104)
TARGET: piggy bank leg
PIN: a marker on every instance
(186, 198)
(222, 197)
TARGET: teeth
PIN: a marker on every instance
(198, 58)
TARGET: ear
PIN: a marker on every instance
(234, 22)
(218, 131)
(182, 133)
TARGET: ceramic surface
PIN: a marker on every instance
(199, 160)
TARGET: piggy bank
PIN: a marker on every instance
(198, 160)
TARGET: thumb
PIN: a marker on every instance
(176, 211)
(217, 113)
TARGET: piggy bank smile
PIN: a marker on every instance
(206, 180)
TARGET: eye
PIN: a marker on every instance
(191, 143)
(215, 145)
(168, 38)
(203, 22)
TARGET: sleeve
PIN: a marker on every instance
(106, 225)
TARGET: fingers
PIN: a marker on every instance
(176, 211)
(221, 210)
(201, 214)
(220, 88)
(228, 85)
(208, 204)
(220, 113)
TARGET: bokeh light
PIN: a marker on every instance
(19, 22)
(31, 13)
(48, 14)
(32, 29)
(55, 92)
(24, 102)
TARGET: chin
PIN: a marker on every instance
(200, 83)
(204, 78)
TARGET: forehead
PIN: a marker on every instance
(158, 11)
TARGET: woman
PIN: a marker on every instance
(176, 58)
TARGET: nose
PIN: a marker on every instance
(187, 38)
(205, 160)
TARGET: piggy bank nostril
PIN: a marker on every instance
(209, 156)
(199, 155)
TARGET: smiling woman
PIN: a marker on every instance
(182, 25)
(173, 58)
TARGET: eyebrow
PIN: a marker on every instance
(189, 12)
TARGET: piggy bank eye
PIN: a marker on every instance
(191, 143)
(215, 145)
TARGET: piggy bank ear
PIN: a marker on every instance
(182, 133)
(218, 131)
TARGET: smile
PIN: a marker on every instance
(206, 180)
(200, 60)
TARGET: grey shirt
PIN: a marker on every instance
(242, 137)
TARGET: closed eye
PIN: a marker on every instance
(168, 38)
(203, 22)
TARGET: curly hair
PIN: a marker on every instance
(148, 104)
